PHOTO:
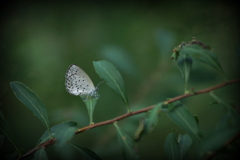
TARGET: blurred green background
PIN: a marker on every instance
(39, 40)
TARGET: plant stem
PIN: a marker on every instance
(128, 109)
(130, 113)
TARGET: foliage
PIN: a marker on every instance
(112, 77)
(177, 147)
(31, 101)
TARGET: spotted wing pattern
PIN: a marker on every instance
(78, 82)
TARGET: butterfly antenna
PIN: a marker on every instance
(100, 83)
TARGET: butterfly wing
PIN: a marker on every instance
(78, 82)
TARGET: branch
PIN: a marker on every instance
(43, 145)
(52, 141)
(229, 142)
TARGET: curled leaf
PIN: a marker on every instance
(185, 65)
(199, 50)
(152, 121)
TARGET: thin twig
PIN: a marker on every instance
(52, 141)
(230, 141)
(43, 145)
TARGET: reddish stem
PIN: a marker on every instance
(52, 141)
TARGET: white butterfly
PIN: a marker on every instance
(78, 83)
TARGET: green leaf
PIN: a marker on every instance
(62, 133)
(229, 107)
(112, 77)
(185, 65)
(31, 101)
(140, 130)
(86, 153)
(90, 104)
(223, 122)
(183, 118)
(185, 142)
(5, 129)
(216, 140)
(152, 121)
(177, 148)
(40, 155)
(127, 144)
(171, 146)
(205, 55)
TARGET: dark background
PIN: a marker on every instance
(39, 40)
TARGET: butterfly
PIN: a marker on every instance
(78, 83)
